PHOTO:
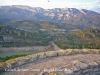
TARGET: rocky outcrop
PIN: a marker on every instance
(11, 63)
(78, 68)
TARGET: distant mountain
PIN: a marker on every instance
(81, 17)
(34, 25)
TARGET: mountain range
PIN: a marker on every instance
(80, 17)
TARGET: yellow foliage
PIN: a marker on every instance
(10, 61)
(2, 64)
(51, 73)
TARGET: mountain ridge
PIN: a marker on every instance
(80, 17)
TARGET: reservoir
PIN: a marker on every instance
(17, 53)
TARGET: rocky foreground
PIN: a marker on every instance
(62, 62)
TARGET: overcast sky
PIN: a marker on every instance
(85, 4)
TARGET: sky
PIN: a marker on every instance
(80, 4)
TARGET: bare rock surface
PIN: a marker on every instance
(61, 65)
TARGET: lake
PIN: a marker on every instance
(17, 53)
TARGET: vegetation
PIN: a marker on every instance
(34, 25)
(32, 36)
(80, 39)
(22, 38)
(11, 57)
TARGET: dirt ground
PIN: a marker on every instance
(48, 64)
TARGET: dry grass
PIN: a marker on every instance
(2, 64)
(10, 61)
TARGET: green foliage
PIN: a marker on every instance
(79, 39)
(33, 25)
(28, 34)
(23, 38)
(11, 57)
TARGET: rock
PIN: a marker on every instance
(41, 55)
(85, 51)
(68, 71)
(51, 53)
(11, 63)
(76, 51)
(32, 57)
(2, 66)
(97, 69)
(93, 74)
(49, 73)
(22, 60)
(87, 70)
(77, 73)
(97, 61)
(98, 73)
(93, 65)
(62, 52)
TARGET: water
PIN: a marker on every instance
(17, 53)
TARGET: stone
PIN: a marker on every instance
(62, 52)
(51, 53)
(2, 66)
(49, 73)
(92, 74)
(41, 55)
(77, 73)
(97, 73)
(95, 51)
(68, 71)
(33, 57)
(76, 69)
(76, 51)
(87, 70)
(10, 63)
(97, 69)
(97, 61)
(22, 60)
(85, 51)
(69, 52)
(93, 65)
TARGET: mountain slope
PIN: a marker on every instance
(80, 39)
(34, 25)
(11, 37)
(80, 17)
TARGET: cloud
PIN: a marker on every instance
(98, 1)
(94, 6)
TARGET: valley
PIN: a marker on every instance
(32, 37)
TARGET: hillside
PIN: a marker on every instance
(11, 37)
(35, 25)
(79, 39)
(80, 17)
